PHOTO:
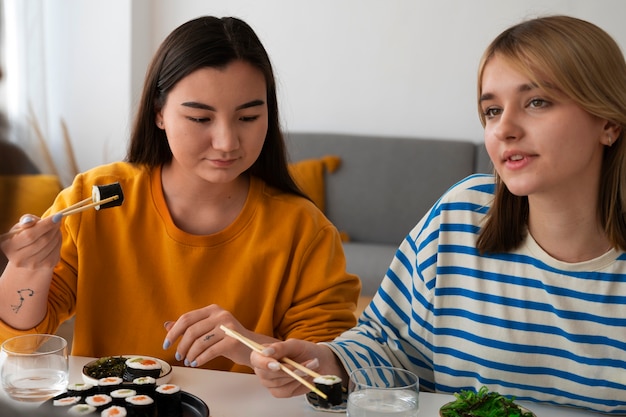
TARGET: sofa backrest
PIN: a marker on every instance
(385, 184)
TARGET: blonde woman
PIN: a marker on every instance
(515, 281)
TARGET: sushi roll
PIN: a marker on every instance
(101, 192)
(100, 401)
(141, 406)
(119, 395)
(109, 383)
(114, 411)
(81, 410)
(138, 367)
(169, 400)
(331, 386)
(81, 389)
(65, 401)
(144, 385)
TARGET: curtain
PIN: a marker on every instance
(27, 87)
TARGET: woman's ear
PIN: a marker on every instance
(612, 132)
(158, 119)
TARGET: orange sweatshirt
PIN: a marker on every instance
(124, 271)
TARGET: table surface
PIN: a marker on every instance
(230, 394)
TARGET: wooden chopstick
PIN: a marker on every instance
(259, 348)
(73, 206)
(73, 209)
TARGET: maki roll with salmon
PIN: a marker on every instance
(114, 411)
(100, 401)
(109, 383)
(65, 401)
(331, 386)
(138, 367)
(169, 400)
(141, 406)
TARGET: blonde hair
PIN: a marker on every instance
(581, 61)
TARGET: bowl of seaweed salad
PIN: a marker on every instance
(105, 367)
(483, 403)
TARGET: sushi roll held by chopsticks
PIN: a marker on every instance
(102, 197)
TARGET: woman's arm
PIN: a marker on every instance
(32, 253)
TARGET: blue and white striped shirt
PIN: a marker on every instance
(522, 323)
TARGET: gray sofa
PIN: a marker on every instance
(383, 187)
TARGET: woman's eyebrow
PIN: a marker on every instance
(202, 106)
(521, 89)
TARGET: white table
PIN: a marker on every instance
(230, 394)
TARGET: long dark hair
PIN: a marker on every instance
(583, 62)
(207, 42)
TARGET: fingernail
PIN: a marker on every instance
(186, 362)
(27, 219)
(178, 356)
(314, 364)
(274, 366)
(194, 364)
(268, 351)
(166, 344)
(57, 218)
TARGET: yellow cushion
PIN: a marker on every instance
(309, 175)
(21, 194)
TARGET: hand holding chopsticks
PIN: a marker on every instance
(257, 347)
(103, 196)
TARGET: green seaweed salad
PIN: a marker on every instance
(482, 404)
(106, 366)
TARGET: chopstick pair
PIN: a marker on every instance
(73, 209)
(257, 347)
(82, 206)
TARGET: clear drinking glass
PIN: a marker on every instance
(383, 391)
(35, 367)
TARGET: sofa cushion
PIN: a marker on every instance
(23, 194)
(310, 174)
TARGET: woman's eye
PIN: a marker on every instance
(248, 118)
(198, 119)
(538, 103)
(492, 112)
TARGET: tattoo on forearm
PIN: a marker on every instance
(22, 293)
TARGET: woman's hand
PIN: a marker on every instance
(314, 356)
(37, 245)
(201, 338)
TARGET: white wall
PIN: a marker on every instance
(394, 67)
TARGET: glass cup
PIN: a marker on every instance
(383, 391)
(35, 367)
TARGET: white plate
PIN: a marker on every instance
(164, 377)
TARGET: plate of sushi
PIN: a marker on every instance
(158, 400)
(125, 369)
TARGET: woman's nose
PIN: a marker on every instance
(509, 125)
(225, 138)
